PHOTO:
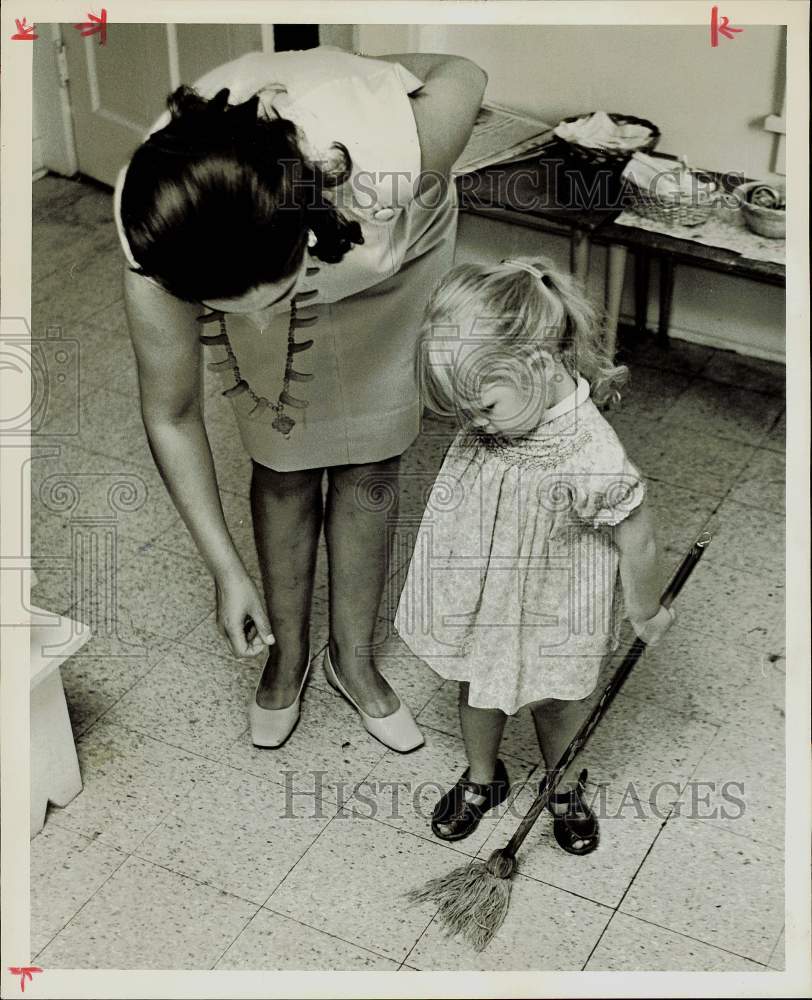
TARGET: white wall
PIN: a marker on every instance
(341, 35)
(709, 104)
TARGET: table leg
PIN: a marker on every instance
(666, 296)
(579, 255)
(613, 291)
(642, 269)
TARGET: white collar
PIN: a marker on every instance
(576, 398)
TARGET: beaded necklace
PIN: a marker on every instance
(282, 422)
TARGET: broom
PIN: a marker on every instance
(474, 899)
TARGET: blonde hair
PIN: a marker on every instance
(509, 314)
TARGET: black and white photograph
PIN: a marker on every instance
(415, 412)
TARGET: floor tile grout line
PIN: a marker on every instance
(36, 437)
(193, 878)
(643, 860)
(205, 757)
(600, 938)
(173, 812)
(320, 930)
(135, 683)
(634, 875)
(233, 941)
(328, 824)
(699, 374)
(718, 824)
(125, 856)
(561, 888)
(315, 839)
(193, 753)
(668, 819)
(171, 871)
(457, 850)
(670, 930)
(770, 394)
(77, 318)
(775, 946)
(690, 937)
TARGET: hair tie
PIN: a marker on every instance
(529, 268)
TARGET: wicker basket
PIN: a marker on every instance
(769, 222)
(610, 157)
(678, 209)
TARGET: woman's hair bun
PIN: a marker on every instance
(220, 200)
(186, 100)
(216, 115)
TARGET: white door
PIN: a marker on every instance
(118, 89)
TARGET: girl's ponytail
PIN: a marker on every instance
(581, 346)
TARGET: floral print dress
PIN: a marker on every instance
(514, 584)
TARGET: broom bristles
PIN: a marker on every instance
(473, 900)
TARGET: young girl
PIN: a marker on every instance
(535, 518)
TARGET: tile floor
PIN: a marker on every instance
(189, 848)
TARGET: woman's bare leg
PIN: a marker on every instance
(287, 511)
(361, 506)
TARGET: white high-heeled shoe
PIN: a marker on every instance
(270, 727)
(397, 731)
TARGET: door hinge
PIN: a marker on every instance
(62, 62)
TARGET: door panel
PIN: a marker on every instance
(117, 90)
(203, 46)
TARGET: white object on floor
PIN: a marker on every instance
(55, 773)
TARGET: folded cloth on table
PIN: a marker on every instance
(665, 178)
(599, 131)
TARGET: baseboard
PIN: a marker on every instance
(719, 343)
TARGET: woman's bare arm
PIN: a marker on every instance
(164, 333)
(445, 107)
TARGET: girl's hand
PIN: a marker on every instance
(241, 615)
(652, 630)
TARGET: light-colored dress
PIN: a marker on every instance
(362, 314)
(514, 584)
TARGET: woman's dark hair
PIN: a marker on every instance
(221, 201)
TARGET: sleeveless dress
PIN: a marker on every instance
(514, 584)
(362, 314)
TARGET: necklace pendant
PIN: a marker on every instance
(284, 424)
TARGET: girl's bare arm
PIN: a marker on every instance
(639, 564)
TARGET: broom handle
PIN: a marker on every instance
(551, 780)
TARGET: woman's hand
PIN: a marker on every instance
(654, 629)
(241, 615)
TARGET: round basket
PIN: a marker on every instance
(678, 209)
(610, 157)
(769, 222)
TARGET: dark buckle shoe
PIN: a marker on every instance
(576, 830)
(461, 817)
